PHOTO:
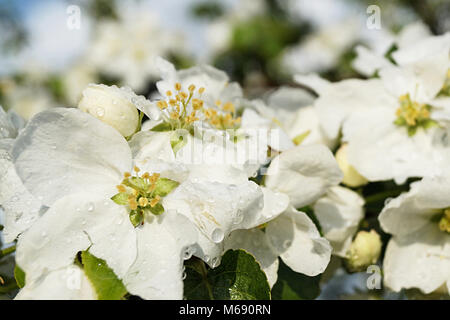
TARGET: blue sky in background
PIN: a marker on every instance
(52, 45)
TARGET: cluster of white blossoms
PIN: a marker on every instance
(94, 183)
(395, 126)
(122, 191)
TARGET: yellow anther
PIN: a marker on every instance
(162, 104)
(133, 204)
(154, 177)
(168, 93)
(184, 95)
(191, 88)
(218, 103)
(121, 188)
(229, 107)
(178, 86)
(174, 115)
(201, 90)
(126, 175)
(151, 187)
(136, 169)
(146, 175)
(155, 201)
(143, 202)
(172, 102)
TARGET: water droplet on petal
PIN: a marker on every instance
(217, 235)
(90, 207)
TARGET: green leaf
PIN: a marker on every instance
(163, 126)
(299, 139)
(120, 198)
(19, 275)
(157, 209)
(136, 218)
(412, 131)
(294, 286)
(164, 186)
(105, 282)
(400, 121)
(429, 123)
(239, 277)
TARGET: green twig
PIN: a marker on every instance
(7, 251)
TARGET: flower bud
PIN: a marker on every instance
(364, 251)
(111, 105)
(352, 178)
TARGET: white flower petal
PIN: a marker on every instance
(343, 98)
(419, 260)
(256, 243)
(20, 208)
(339, 213)
(313, 81)
(68, 283)
(217, 208)
(162, 244)
(64, 151)
(413, 210)
(76, 223)
(423, 49)
(368, 62)
(304, 173)
(380, 150)
(296, 239)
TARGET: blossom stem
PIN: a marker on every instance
(205, 277)
(377, 197)
(7, 251)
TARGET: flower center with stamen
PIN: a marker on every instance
(413, 115)
(142, 194)
(182, 108)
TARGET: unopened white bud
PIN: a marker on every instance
(111, 105)
(364, 250)
(352, 178)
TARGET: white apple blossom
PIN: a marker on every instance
(395, 125)
(73, 162)
(292, 110)
(302, 174)
(367, 61)
(19, 208)
(339, 212)
(418, 254)
(127, 48)
(214, 193)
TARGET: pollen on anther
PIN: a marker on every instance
(155, 201)
(127, 175)
(178, 86)
(121, 188)
(136, 169)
